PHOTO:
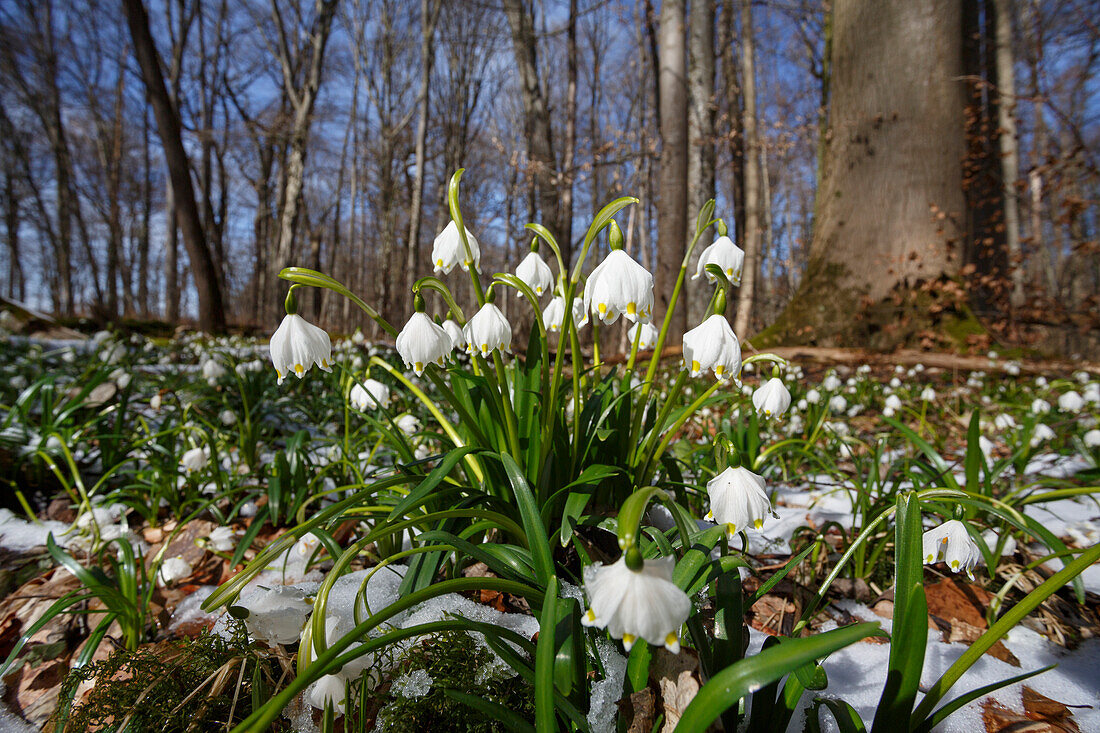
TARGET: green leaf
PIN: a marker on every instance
(545, 657)
(532, 524)
(491, 710)
(974, 457)
(941, 714)
(735, 682)
(909, 637)
(847, 719)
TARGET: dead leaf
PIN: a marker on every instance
(967, 634)
(640, 710)
(953, 601)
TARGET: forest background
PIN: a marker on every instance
(899, 173)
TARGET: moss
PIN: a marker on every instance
(155, 685)
(455, 662)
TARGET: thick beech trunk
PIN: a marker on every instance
(672, 189)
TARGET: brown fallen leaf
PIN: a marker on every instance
(1038, 706)
(963, 632)
(1000, 719)
(640, 709)
(957, 601)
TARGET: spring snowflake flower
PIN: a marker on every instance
(727, 255)
(1004, 421)
(1070, 402)
(772, 399)
(223, 539)
(330, 689)
(636, 604)
(1092, 439)
(813, 397)
(422, 342)
(408, 424)
(738, 500)
(212, 371)
(619, 286)
(837, 403)
(194, 460)
(488, 330)
(536, 273)
(297, 345)
(553, 315)
(1039, 406)
(1042, 434)
(369, 395)
(893, 404)
(712, 345)
(928, 395)
(447, 250)
(173, 569)
(454, 330)
(648, 338)
(831, 383)
(951, 543)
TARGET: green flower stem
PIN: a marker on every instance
(633, 351)
(456, 215)
(444, 423)
(305, 276)
(651, 461)
(510, 426)
(596, 345)
(662, 414)
(547, 237)
(525, 290)
(434, 283)
(630, 514)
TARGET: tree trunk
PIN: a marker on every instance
(211, 311)
(891, 202)
(542, 163)
(746, 293)
(735, 112)
(1010, 152)
(701, 151)
(672, 190)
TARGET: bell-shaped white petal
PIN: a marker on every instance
(173, 569)
(738, 499)
(297, 345)
(712, 345)
(553, 315)
(421, 342)
(648, 338)
(536, 273)
(194, 460)
(447, 250)
(487, 330)
(772, 399)
(369, 395)
(637, 604)
(619, 286)
(330, 689)
(951, 543)
(1070, 402)
(727, 255)
(455, 332)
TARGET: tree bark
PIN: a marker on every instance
(211, 310)
(891, 202)
(672, 189)
(701, 154)
(1010, 151)
(542, 163)
(745, 294)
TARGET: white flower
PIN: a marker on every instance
(329, 689)
(837, 403)
(893, 404)
(712, 345)
(408, 424)
(276, 615)
(727, 255)
(228, 417)
(738, 499)
(636, 604)
(554, 314)
(1039, 406)
(487, 330)
(1092, 439)
(447, 250)
(369, 395)
(223, 539)
(1012, 368)
(1004, 421)
(212, 370)
(1041, 382)
(928, 394)
(297, 345)
(173, 569)
(154, 402)
(619, 286)
(422, 342)
(535, 272)
(454, 330)
(831, 383)
(1070, 402)
(1042, 434)
(772, 399)
(194, 460)
(648, 338)
(951, 543)
(813, 397)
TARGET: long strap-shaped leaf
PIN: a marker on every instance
(909, 636)
(535, 530)
(743, 678)
(1014, 616)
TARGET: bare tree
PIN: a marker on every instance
(747, 291)
(672, 188)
